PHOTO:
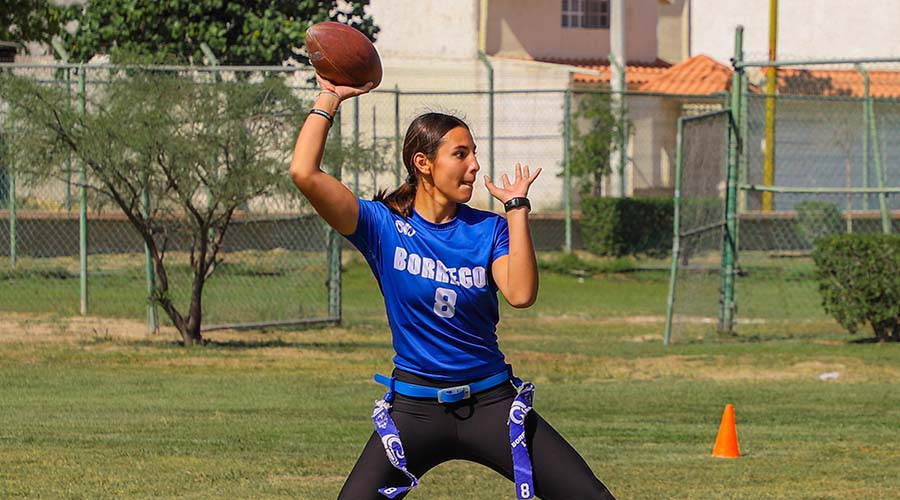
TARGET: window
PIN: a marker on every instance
(585, 13)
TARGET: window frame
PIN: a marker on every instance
(586, 14)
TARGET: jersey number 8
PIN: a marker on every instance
(445, 302)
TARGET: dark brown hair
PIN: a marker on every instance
(423, 136)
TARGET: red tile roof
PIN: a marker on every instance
(699, 75)
(831, 82)
(702, 75)
(636, 73)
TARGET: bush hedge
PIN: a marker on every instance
(859, 279)
(627, 226)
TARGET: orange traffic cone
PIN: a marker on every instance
(727, 442)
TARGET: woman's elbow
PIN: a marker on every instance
(523, 301)
(300, 176)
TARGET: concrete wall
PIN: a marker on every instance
(653, 143)
(533, 28)
(822, 29)
(672, 31)
(429, 29)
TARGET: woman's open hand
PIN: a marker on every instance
(518, 187)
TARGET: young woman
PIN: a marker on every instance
(439, 264)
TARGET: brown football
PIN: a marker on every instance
(343, 55)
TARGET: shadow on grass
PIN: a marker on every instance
(322, 346)
(238, 345)
(871, 340)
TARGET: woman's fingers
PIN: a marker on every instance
(343, 91)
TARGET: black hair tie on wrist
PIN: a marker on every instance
(321, 112)
(518, 201)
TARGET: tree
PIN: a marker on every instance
(30, 20)
(200, 150)
(256, 32)
(595, 132)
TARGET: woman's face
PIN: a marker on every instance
(455, 167)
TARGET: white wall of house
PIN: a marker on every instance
(653, 143)
(824, 29)
(422, 59)
(672, 31)
(429, 29)
(440, 53)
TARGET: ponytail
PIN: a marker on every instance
(401, 200)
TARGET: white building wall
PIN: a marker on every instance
(429, 29)
(824, 29)
(427, 61)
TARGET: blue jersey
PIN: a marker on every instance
(440, 297)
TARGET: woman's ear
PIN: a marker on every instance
(422, 163)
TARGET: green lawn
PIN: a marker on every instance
(104, 411)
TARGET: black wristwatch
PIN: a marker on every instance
(518, 201)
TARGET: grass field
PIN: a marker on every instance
(96, 409)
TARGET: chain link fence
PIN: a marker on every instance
(699, 224)
(67, 248)
(279, 264)
(817, 156)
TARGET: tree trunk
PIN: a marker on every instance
(882, 331)
(191, 336)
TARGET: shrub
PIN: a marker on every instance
(818, 219)
(627, 226)
(859, 279)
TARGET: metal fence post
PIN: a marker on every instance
(729, 249)
(397, 151)
(82, 216)
(876, 151)
(333, 239)
(490, 70)
(355, 145)
(11, 190)
(676, 230)
(865, 147)
(567, 171)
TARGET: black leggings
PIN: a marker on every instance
(476, 430)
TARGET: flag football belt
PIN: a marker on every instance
(521, 405)
(446, 395)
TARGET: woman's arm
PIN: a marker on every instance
(516, 274)
(331, 199)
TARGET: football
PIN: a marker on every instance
(343, 55)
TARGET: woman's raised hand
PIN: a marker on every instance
(343, 93)
(518, 187)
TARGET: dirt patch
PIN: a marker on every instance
(20, 327)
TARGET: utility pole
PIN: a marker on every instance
(617, 84)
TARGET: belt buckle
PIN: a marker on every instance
(454, 394)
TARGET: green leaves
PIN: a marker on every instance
(256, 32)
(30, 20)
(627, 226)
(859, 279)
(594, 132)
(201, 149)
